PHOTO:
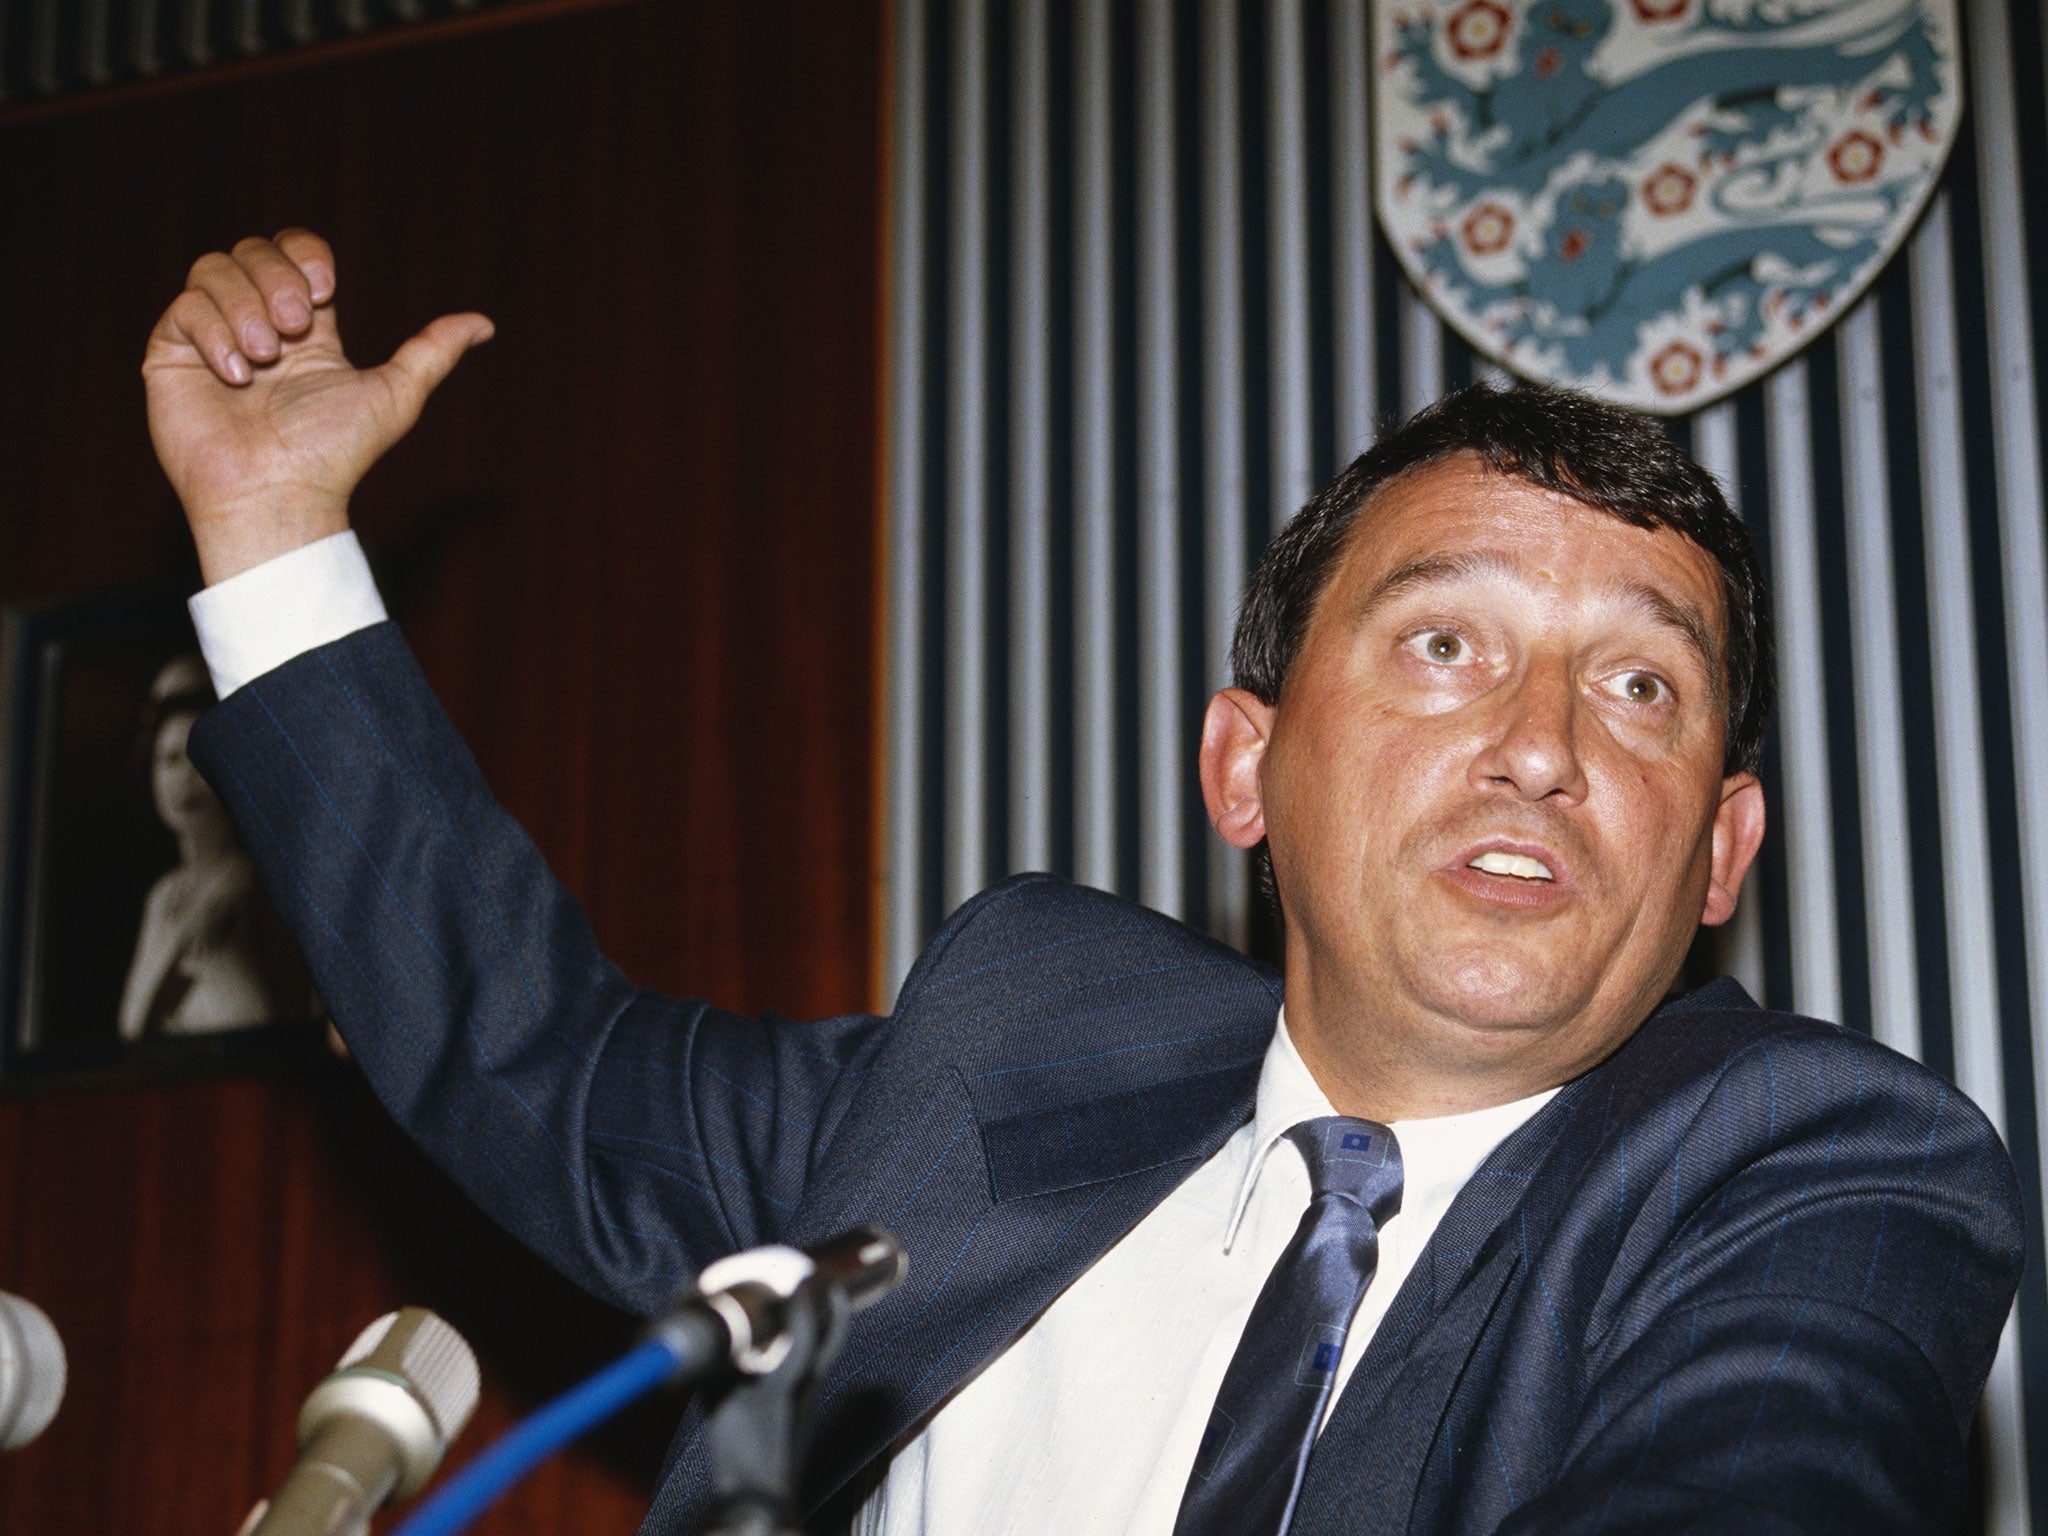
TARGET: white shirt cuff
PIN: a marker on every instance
(268, 614)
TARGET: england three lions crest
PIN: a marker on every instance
(1656, 200)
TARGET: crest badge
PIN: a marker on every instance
(1655, 201)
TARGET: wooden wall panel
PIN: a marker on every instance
(632, 542)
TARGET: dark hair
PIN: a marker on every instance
(1602, 455)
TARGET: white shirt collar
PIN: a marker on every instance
(1438, 1155)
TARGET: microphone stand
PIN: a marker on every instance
(758, 1432)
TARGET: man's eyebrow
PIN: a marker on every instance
(1428, 570)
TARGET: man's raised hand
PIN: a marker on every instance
(261, 422)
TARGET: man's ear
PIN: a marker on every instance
(1234, 736)
(1738, 832)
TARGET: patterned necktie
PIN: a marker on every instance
(1249, 1468)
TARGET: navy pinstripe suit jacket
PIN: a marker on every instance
(1745, 1276)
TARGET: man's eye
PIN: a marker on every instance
(1440, 645)
(1643, 688)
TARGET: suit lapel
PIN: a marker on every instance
(1015, 1210)
(1061, 1061)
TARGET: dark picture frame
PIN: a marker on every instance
(135, 940)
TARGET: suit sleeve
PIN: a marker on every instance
(1805, 1344)
(627, 1137)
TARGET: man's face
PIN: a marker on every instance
(1492, 789)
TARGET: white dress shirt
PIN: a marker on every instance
(1089, 1420)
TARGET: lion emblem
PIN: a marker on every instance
(1656, 200)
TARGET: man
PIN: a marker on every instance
(1479, 1233)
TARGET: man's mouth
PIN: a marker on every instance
(1498, 861)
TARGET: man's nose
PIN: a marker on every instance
(1531, 748)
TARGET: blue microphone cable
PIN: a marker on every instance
(684, 1347)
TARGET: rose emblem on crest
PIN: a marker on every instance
(1856, 158)
(1676, 369)
(1477, 29)
(1668, 190)
(1488, 228)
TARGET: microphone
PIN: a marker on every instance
(864, 1265)
(32, 1371)
(373, 1432)
(739, 1310)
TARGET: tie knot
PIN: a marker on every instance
(1356, 1160)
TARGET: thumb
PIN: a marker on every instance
(417, 368)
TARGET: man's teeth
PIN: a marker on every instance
(1499, 863)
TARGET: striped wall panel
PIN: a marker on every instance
(1139, 311)
(52, 48)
